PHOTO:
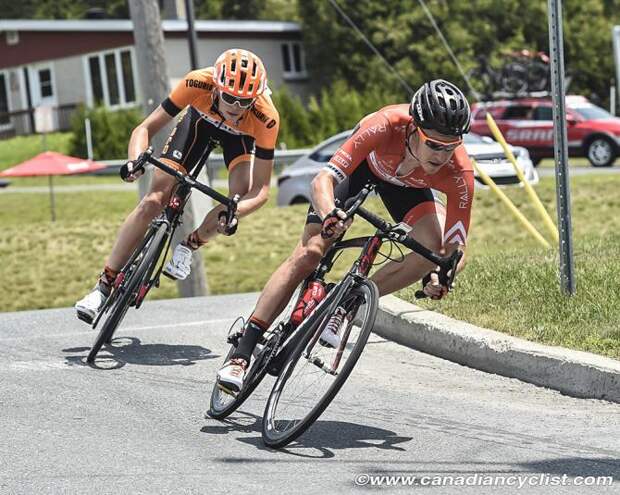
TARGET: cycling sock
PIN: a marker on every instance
(253, 331)
(193, 241)
(107, 278)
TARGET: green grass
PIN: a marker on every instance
(510, 283)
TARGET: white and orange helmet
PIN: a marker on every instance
(240, 73)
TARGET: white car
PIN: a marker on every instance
(294, 181)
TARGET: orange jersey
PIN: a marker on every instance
(380, 140)
(261, 121)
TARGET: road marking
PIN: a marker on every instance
(122, 329)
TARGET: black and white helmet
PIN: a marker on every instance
(441, 106)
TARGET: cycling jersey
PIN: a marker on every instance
(255, 132)
(380, 139)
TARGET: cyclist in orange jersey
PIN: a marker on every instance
(229, 102)
(409, 151)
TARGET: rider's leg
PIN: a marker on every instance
(273, 299)
(239, 178)
(179, 266)
(394, 276)
(130, 234)
(136, 224)
(281, 286)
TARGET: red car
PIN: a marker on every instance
(592, 132)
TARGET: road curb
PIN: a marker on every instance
(575, 373)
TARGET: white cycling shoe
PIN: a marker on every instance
(180, 265)
(330, 338)
(231, 375)
(88, 307)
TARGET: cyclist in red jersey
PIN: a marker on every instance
(409, 152)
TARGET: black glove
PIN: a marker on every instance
(330, 220)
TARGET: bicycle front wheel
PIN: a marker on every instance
(313, 374)
(126, 292)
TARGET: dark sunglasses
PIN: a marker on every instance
(437, 145)
(234, 100)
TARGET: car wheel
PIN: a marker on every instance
(601, 152)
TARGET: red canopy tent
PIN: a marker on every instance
(51, 163)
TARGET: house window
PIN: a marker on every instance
(112, 78)
(5, 120)
(96, 82)
(45, 83)
(12, 38)
(293, 61)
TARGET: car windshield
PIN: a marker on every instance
(592, 112)
(326, 152)
(472, 138)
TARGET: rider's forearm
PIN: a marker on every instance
(138, 142)
(252, 201)
(322, 191)
(450, 248)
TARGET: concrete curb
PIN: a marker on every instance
(575, 373)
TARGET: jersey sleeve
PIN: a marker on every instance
(366, 137)
(267, 136)
(460, 196)
(186, 91)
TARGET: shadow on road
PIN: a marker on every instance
(324, 436)
(130, 350)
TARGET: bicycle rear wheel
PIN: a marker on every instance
(312, 375)
(139, 271)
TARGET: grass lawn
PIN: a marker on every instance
(510, 283)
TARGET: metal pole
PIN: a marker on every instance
(89, 139)
(615, 36)
(52, 201)
(191, 34)
(612, 97)
(149, 42)
(556, 45)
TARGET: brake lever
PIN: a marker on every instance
(230, 215)
(446, 274)
(139, 163)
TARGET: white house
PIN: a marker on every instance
(61, 64)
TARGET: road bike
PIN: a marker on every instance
(310, 374)
(143, 270)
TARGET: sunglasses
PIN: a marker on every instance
(437, 145)
(234, 100)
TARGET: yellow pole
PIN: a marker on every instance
(530, 190)
(489, 182)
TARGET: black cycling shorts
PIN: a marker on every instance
(405, 204)
(187, 141)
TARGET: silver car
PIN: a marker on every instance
(294, 181)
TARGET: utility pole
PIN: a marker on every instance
(191, 34)
(153, 77)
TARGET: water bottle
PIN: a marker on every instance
(313, 295)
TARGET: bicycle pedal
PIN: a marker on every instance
(166, 274)
(86, 318)
(227, 390)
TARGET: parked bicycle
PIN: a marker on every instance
(141, 273)
(309, 374)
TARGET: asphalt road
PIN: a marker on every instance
(136, 425)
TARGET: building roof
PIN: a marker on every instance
(126, 25)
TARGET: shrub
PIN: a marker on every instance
(110, 131)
